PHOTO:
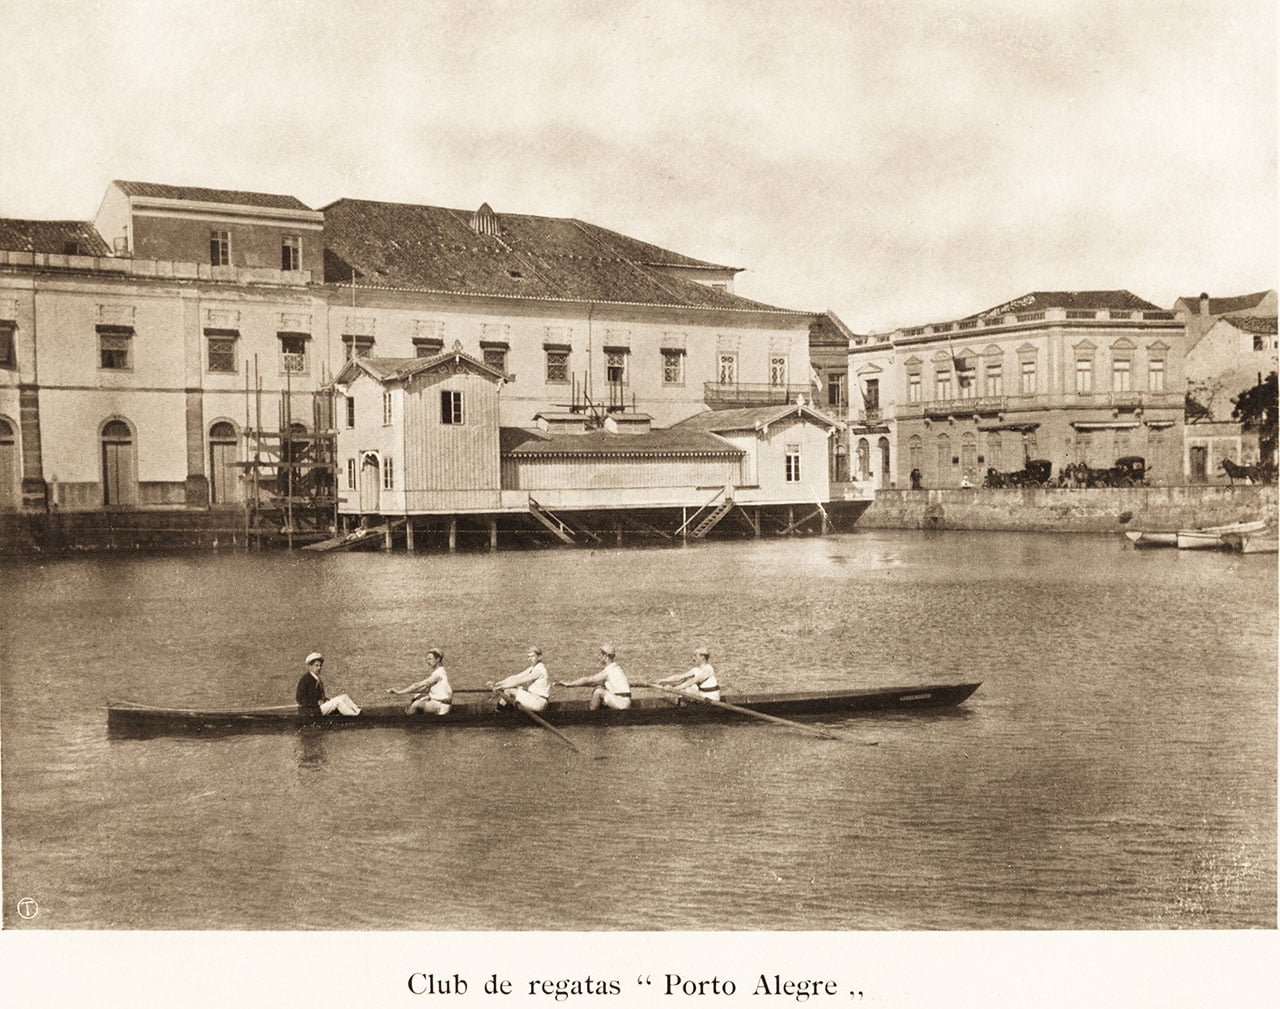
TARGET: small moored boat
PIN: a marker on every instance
(1252, 543)
(1210, 537)
(1151, 538)
(131, 719)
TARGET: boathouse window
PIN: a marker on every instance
(293, 352)
(291, 252)
(220, 248)
(351, 474)
(995, 380)
(222, 350)
(386, 408)
(913, 387)
(1028, 386)
(351, 411)
(1121, 375)
(7, 358)
(777, 370)
(793, 464)
(1084, 375)
(114, 347)
(388, 473)
(1155, 375)
(557, 364)
(672, 366)
(728, 369)
(450, 407)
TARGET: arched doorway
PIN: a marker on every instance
(119, 465)
(969, 457)
(864, 459)
(226, 485)
(370, 484)
(884, 462)
(10, 488)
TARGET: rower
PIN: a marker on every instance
(530, 688)
(612, 687)
(700, 680)
(431, 695)
(311, 696)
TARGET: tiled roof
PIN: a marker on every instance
(1085, 300)
(1253, 323)
(748, 418)
(402, 245)
(392, 368)
(664, 442)
(1225, 306)
(51, 237)
(199, 194)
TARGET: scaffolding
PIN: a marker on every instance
(290, 469)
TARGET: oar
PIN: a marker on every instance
(744, 711)
(551, 728)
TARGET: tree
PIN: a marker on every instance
(1257, 410)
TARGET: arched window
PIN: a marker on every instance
(994, 450)
(969, 455)
(883, 446)
(119, 465)
(944, 456)
(915, 451)
(10, 469)
(226, 483)
(864, 459)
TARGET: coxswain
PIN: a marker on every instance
(432, 694)
(311, 696)
(612, 687)
(700, 680)
(529, 688)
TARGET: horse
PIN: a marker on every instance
(1237, 472)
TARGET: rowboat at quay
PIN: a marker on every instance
(1210, 538)
(127, 718)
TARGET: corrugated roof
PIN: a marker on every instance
(199, 194)
(1253, 323)
(51, 237)
(1095, 300)
(400, 245)
(1225, 306)
(664, 442)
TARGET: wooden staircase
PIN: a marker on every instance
(558, 526)
(712, 520)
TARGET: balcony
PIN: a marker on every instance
(943, 408)
(723, 395)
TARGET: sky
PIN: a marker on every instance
(896, 163)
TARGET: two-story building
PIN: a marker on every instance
(1068, 376)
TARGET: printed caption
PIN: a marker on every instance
(674, 986)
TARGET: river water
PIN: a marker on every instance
(1116, 770)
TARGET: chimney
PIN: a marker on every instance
(1204, 303)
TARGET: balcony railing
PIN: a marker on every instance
(754, 393)
(1010, 404)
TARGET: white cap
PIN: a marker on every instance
(313, 656)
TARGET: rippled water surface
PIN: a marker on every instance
(1117, 768)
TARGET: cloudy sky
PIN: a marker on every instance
(894, 162)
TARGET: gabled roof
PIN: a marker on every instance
(400, 245)
(51, 237)
(1084, 300)
(1225, 306)
(198, 194)
(396, 369)
(664, 442)
(752, 418)
(1252, 323)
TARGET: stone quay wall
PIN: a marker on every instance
(1060, 509)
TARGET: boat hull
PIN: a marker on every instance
(128, 719)
(1147, 538)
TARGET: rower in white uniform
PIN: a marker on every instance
(700, 680)
(613, 690)
(530, 688)
(432, 695)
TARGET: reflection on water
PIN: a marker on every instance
(1116, 769)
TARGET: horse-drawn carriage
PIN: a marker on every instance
(1034, 474)
(1255, 473)
(1128, 471)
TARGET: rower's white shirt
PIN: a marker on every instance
(440, 689)
(536, 680)
(615, 680)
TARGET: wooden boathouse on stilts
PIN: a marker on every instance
(421, 460)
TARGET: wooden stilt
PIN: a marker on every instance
(684, 526)
(408, 534)
(493, 534)
(386, 536)
(453, 533)
(755, 522)
(791, 517)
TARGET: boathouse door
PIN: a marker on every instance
(225, 483)
(119, 474)
(9, 496)
(370, 484)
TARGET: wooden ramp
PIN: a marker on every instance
(355, 538)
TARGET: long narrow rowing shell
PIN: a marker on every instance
(131, 719)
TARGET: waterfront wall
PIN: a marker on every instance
(1060, 509)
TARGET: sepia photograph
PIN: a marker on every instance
(643, 503)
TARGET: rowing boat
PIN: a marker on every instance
(127, 718)
(1210, 537)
